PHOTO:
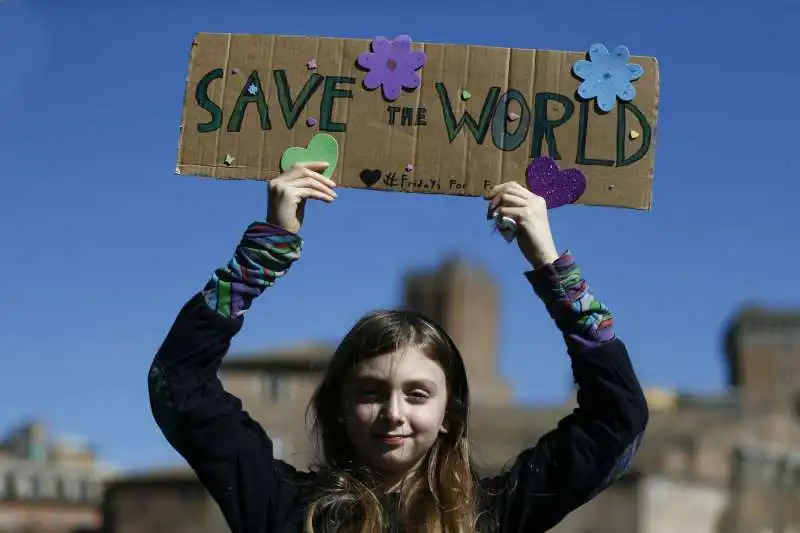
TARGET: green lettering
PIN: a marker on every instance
(647, 134)
(291, 109)
(501, 137)
(204, 101)
(583, 134)
(543, 127)
(246, 97)
(479, 128)
(329, 94)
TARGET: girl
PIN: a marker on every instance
(391, 414)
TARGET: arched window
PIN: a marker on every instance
(273, 388)
(84, 490)
(36, 486)
(11, 486)
(61, 489)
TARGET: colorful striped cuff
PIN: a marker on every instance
(585, 321)
(264, 254)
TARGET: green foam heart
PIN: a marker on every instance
(321, 147)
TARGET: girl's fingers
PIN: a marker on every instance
(514, 213)
(305, 170)
(306, 193)
(312, 182)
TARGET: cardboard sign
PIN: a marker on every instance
(477, 116)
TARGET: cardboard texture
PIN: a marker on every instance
(251, 97)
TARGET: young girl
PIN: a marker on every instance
(391, 414)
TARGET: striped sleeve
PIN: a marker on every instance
(583, 319)
(264, 254)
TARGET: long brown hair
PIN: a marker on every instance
(438, 496)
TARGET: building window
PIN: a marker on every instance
(11, 488)
(61, 489)
(273, 388)
(84, 490)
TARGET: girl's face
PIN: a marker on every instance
(395, 409)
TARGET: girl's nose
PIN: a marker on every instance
(392, 410)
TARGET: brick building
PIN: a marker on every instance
(719, 464)
(48, 486)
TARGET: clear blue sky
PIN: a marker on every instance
(100, 244)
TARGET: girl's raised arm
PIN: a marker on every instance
(229, 451)
(592, 447)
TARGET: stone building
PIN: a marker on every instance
(722, 464)
(48, 486)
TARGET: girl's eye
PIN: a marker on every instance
(369, 394)
(418, 396)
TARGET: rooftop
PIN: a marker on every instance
(302, 358)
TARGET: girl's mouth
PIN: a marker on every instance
(391, 439)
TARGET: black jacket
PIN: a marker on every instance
(233, 456)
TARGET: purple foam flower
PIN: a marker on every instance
(392, 65)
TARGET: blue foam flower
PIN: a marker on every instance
(607, 76)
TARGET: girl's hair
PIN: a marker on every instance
(437, 497)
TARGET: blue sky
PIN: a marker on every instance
(102, 243)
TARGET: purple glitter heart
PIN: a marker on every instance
(557, 187)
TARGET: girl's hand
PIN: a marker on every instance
(288, 194)
(529, 211)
